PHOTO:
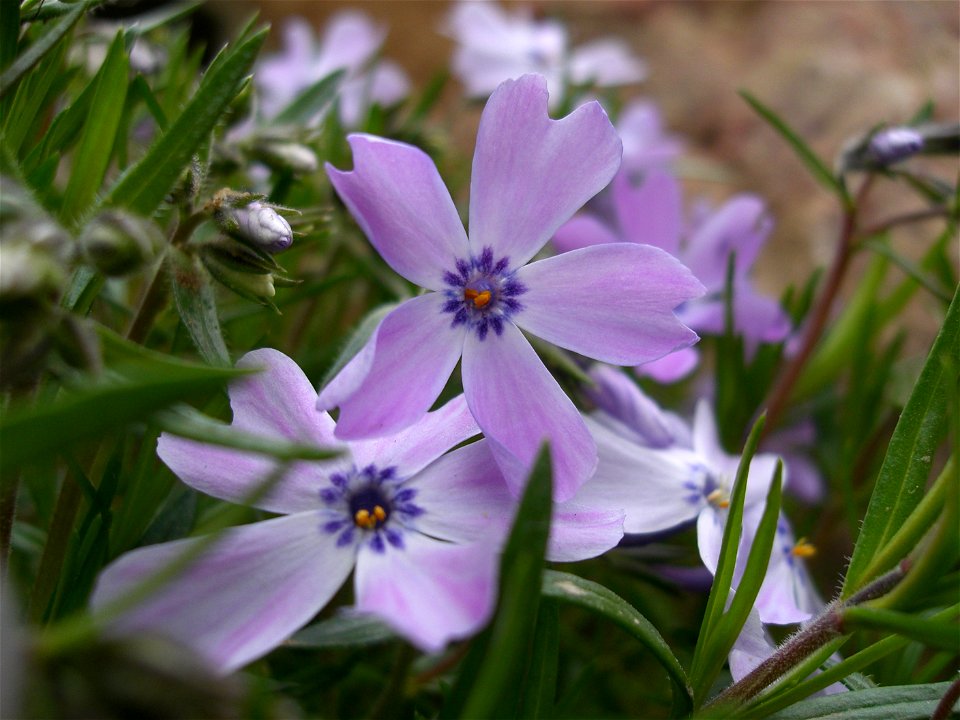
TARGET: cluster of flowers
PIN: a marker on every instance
(413, 505)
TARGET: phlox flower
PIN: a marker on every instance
(613, 302)
(494, 45)
(409, 522)
(697, 487)
(350, 42)
(652, 213)
(646, 143)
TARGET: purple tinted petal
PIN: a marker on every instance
(464, 497)
(620, 398)
(518, 404)
(430, 592)
(278, 402)
(656, 489)
(351, 39)
(610, 302)
(652, 213)
(409, 357)
(645, 143)
(582, 231)
(672, 367)
(787, 594)
(740, 226)
(395, 194)
(605, 63)
(531, 173)
(578, 532)
(412, 449)
(245, 595)
(752, 647)
(710, 536)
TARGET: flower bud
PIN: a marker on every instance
(117, 243)
(28, 272)
(254, 286)
(258, 224)
(894, 144)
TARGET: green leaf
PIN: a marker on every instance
(143, 187)
(933, 633)
(32, 96)
(9, 31)
(489, 681)
(343, 631)
(704, 666)
(817, 167)
(905, 468)
(127, 394)
(311, 101)
(196, 303)
(35, 53)
(907, 702)
(186, 422)
(99, 132)
(540, 682)
(610, 606)
(910, 268)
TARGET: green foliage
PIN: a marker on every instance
(910, 702)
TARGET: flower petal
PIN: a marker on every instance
(277, 403)
(710, 536)
(464, 497)
(429, 591)
(243, 596)
(397, 376)
(656, 489)
(531, 173)
(395, 194)
(672, 367)
(518, 404)
(579, 533)
(605, 63)
(652, 213)
(582, 231)
(610, 302)
(410, 450)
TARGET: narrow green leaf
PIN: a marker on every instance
(487, 685)
(141, 90)
(907, 702)
(308, 104)
(164, 15)
(342, 631)
(32, 96)
(196, 303)
(910, 268)
(540, 681)
(44, 44)
(9, 31)
(143, 187)
(905, 468)
(99, 132)
(127, 394)
(84, 286)
(817, 167)
(610, 606)
(186, 422)
(944, 635)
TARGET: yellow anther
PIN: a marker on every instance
(362, 519)
(803, 549)
(718, 498)
(480, 299)
(379, 513)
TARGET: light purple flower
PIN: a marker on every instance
(414, 525)
(351, 42)
(652, 213)
(530, 173)
(646, 143)
(494, 45)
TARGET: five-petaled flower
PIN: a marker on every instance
(416, 526)
(612, 302)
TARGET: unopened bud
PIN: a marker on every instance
(258, 224)
(894, 144)
(117, 243)
(251, 285)
(28, 273)
(286, 155)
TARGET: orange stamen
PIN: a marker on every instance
(803, 549)
(480, 299)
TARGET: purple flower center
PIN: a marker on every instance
(482, 293)
(369, 501)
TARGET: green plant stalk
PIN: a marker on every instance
(934, 634)
(917, 525)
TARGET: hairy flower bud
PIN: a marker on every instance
(118, 243)
(895, 144)
(256, 286)
(258, 224)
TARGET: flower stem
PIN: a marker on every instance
(945, 706)
(817, 321)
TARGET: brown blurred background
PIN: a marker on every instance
(834, 69)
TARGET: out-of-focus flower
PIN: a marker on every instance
(646, 143)
(495, 45)
(283, 154)
(413, 524)
(350, 42)
(119, 243)
(614, 302)
(651, 213)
